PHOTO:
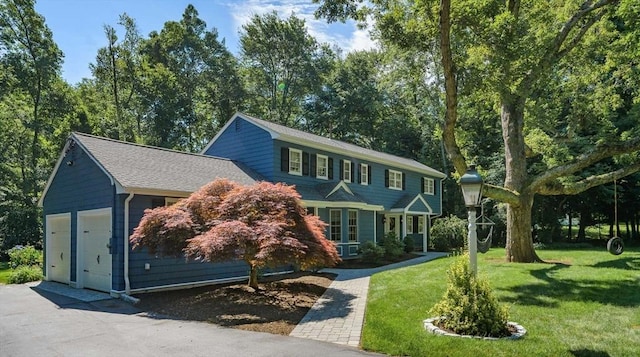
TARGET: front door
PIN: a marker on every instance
(392, 224)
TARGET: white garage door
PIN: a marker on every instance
(59, 247)
(94, 231)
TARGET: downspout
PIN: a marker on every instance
(127, 285)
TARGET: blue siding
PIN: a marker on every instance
(81, 186)
(375, 191)
(244, 142)
(169, 270)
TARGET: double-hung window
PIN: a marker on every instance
(395, 180)
(364, 174)
(295, 162)
(428, 186)
(335, 225)
(346, 170)
(353, 225)
(322, 164)
(420, 224)
(409, 224)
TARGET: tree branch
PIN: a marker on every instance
(451, 90)
(555, 50)
(501, 194)
(557, 188)
(585, 160)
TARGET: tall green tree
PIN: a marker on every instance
(191, 86)
(31, 62)
(559, 76)
(282, 66)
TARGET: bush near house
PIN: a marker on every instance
(25, 263)
(371, 253)
(393, 247)
(448, 233)
(409, 244)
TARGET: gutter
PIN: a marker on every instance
(127, 285)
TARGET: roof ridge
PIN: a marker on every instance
(77, 133)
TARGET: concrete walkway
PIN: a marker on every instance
(338, 316)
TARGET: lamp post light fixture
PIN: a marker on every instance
(471, 184)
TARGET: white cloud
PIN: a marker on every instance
(346, 36)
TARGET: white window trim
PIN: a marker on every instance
(409, 224)
(364, 174)
(420, 224)
(432, 186)
(326, 166)
(395, 180)
(346, 168)
(349, 225)
(299, 152)
(330, 225)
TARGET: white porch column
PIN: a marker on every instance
(425, 227)
(404, 226)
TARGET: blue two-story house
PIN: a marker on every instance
(99, 189)
(361, 194)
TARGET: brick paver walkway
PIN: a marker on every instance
(338, 315)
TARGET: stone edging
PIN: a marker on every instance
(429, 326)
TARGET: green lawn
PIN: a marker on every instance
(586, 304)
(4, 272)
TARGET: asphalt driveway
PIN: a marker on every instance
(35, 322)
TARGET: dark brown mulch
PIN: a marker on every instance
(277, 306)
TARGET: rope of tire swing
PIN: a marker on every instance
(615, 245)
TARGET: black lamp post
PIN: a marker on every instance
(471, 184)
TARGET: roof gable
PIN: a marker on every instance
(295, 136)
(135, 168)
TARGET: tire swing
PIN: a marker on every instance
(615, 245)
(483, 222)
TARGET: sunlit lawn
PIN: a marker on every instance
(585, 304)
(4, 272)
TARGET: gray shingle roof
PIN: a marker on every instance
(296, 136)
(140, 167)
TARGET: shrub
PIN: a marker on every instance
(371, 252)
(25, 273)
(393, 247)
(469, 307)
(448, 233)
(24, 256)
(409, 245)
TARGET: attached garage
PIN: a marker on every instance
(58, 239)
(94, 249)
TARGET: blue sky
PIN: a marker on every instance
(78, 25)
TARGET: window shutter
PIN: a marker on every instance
(422, 185)
(305, 163)
(157, 202)
(369, 174)
(360, 173)
(341, 169)
(330, 173)
(284, 159)
(313, 161)
(403, 181)
(386, 178)
(353, 171)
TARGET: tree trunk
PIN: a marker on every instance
(253, 277)
(519, 247)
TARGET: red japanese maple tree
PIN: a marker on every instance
(264, 224)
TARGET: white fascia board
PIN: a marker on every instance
(342, 185)
(342, 204)
(153, 192)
